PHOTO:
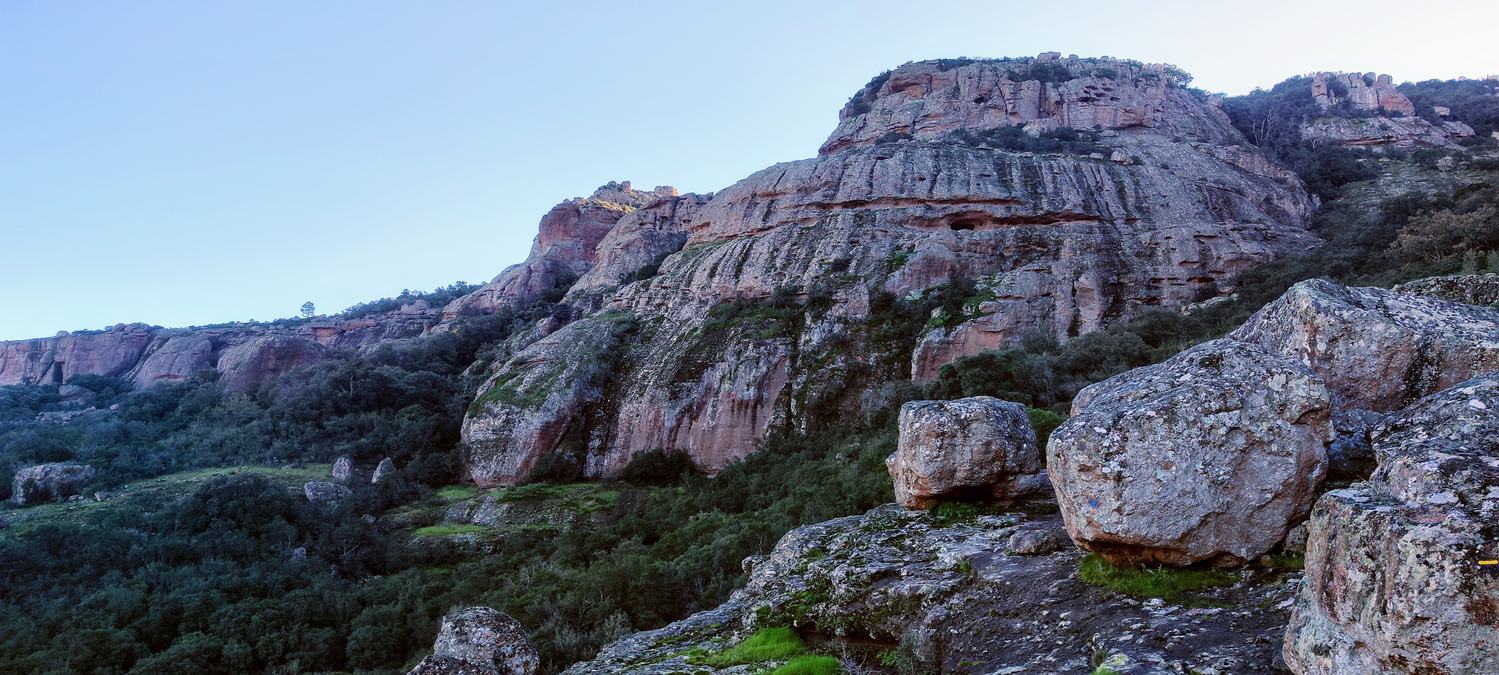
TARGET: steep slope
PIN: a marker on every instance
(1068, 194)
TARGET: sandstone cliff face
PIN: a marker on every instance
(564, 249)
(899, 203)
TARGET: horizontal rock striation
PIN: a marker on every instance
(756, 307)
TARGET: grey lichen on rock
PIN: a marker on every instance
(49, 482)
(1396, 581)
(1377, 349)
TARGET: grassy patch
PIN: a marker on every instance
(809, 664)
(449, 530)
(1286, 562)
(1165, 583)
(947, 514)
(454, 493)
(769, 644)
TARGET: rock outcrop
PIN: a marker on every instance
(324, 492)
(949, 599)
(480, 641)
(1473, 289)
(1383, 117)
(49, 482)
(1210, 456)
(1377, 349)
(565, 249)
(758, 308)
(1395, 580)
(977, 446)
(248, 365)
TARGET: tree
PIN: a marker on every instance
(308, 310)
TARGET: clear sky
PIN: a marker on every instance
(185, 163)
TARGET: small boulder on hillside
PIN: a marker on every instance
(1394, 579)
(977, 446)
(49, 482)
(1377, 349)
(383, 471)
(343, 470)
(1210, 456)
(324, 492)
(480, 641)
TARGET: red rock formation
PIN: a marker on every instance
(906, 196)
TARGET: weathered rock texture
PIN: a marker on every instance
(1394, 583)
(48, 483)
(950, 599)
(1210, 456)
(977, 446)
(480, 641)
(1474, 289)
(758, 308)
(1394, 123)
(1377, 349)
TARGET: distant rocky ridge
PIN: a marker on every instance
(246, 353)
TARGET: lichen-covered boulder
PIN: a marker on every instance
(1393, 580)
(1377, 349)
(1474, 289)
(49, 482)
(324, 492)
(480, 641)
(1210, 456)
(977, 446)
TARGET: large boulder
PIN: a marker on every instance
(1395, 581)
(976, 446)
(1377, 349)
(49, 482)
(174, 359)
(1210, 456)
(480, 641)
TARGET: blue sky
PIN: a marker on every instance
(185, 163)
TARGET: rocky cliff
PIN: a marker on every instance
(1366, 110)
(1071, 193)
